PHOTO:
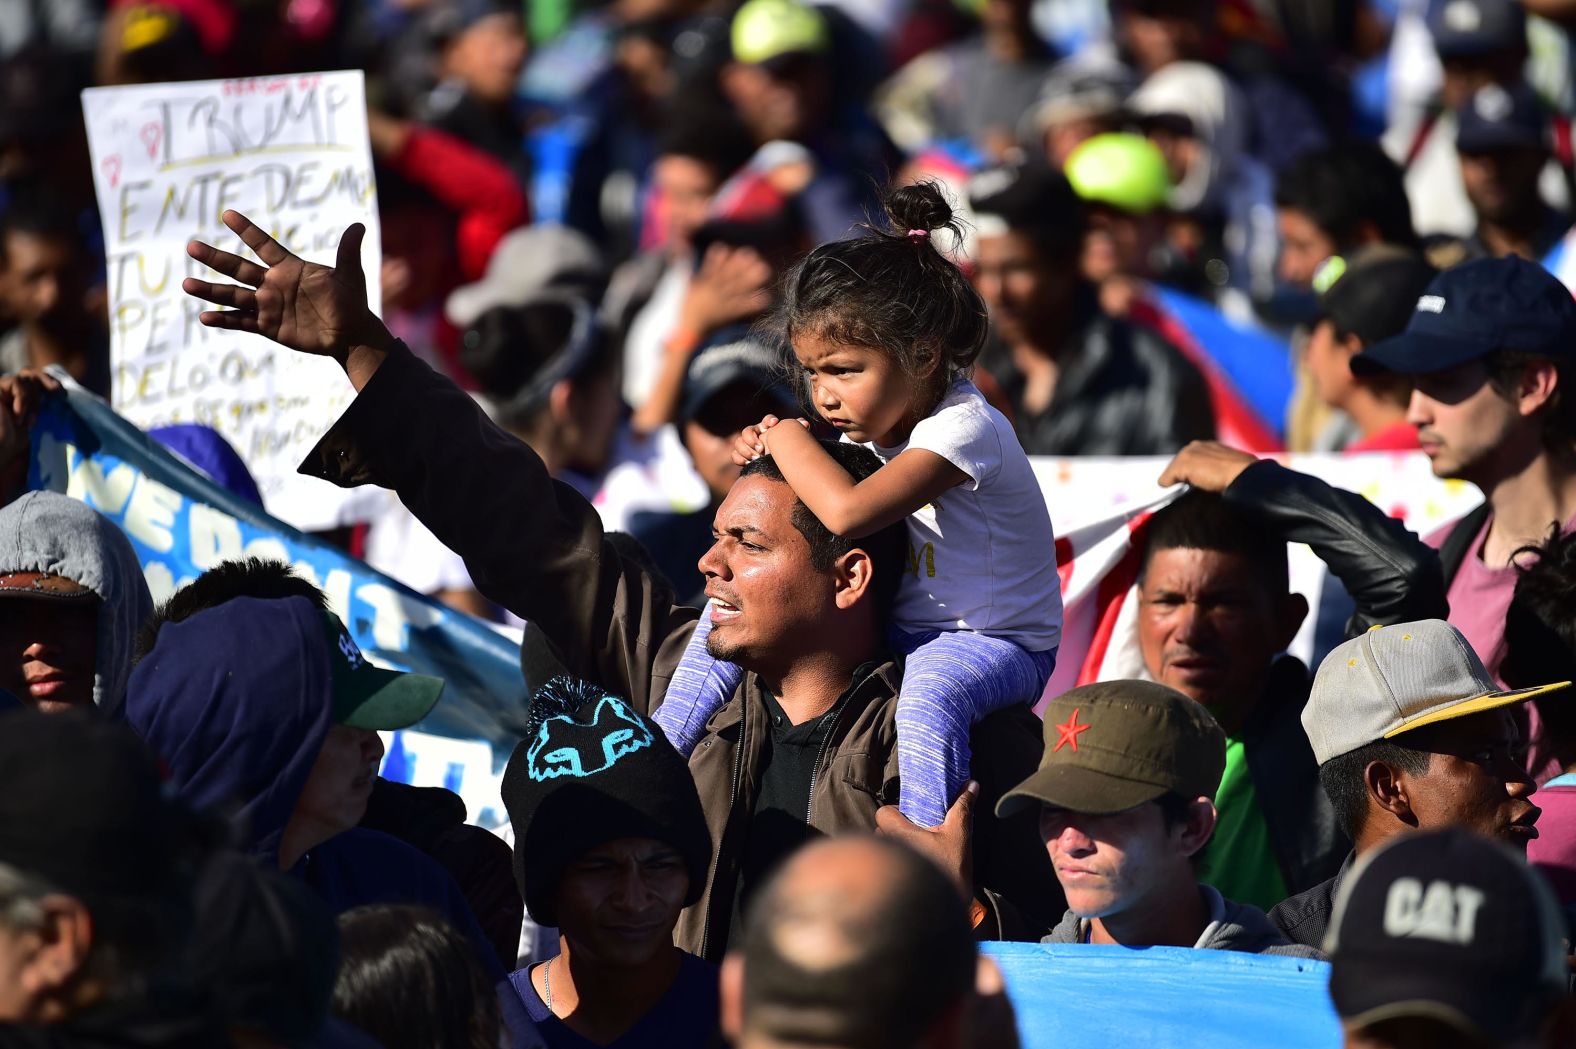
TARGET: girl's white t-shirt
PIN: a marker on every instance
(982, 557)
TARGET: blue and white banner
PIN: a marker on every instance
(182, 524)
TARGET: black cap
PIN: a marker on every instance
(1448, 925)
(1495, 119)
(592, 769)
(1476, 309)
(1371, 294)
(736, 357)
(1467, 28)
(84, 808)
(1030, 197)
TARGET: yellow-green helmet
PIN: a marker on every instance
(1122, 170)
(765, 29)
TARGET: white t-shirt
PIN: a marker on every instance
(981, 558)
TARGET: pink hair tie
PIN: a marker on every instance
(919, 233)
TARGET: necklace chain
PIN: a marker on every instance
(547, 984)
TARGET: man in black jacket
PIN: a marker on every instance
(1075, 380)
(804, 747)
(1215, 617)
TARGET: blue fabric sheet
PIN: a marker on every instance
(1165, 998)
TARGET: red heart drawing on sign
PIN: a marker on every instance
(111, 166)
(152, 134)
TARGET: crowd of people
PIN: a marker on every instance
(714, 342)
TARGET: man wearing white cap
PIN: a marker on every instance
(1410, 733)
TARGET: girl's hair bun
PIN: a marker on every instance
(921, 206)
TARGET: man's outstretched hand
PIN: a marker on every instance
(302, 305)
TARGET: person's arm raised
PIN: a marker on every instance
(302, 305)
(857, 508)
(1391, 574)
(531, 544)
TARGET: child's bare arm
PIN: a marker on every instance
(850, 508)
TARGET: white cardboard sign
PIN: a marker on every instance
(290, 152)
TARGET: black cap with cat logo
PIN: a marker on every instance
(1450, 926)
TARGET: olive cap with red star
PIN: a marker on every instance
(1114, 745)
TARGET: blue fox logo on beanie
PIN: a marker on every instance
(590, 768)
(565, 745)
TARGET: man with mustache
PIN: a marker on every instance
(1216, 614)
(1488, 350)
(805, 747)
(1412, 733)
(1124, 794)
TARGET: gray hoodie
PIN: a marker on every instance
(1232, 927)
(52, 533)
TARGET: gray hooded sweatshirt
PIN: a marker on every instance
(1232, 927)
(55, 534)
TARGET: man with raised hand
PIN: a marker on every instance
(806, 746)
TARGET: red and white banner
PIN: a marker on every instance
(1099, 507)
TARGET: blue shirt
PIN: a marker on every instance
(687, 1016)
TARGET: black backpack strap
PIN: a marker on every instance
(1457, 544)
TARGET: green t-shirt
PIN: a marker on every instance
(1239, 861)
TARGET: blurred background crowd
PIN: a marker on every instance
(585, 205)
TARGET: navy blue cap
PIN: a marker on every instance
(1475, 309)
(1494, 119)
(1465, 28)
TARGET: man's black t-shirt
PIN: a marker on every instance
(780, 821)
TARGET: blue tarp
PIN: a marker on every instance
(1165, 998)
(1256, 361)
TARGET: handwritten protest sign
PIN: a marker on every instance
(291, 152)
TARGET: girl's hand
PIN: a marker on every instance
(748, 446)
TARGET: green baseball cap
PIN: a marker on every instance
(1116, 744)
(369, 697)
(1122, 170)
(768, 29)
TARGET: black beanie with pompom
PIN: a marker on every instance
(590, 770)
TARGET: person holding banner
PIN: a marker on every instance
(811, 626)
(1216, 615)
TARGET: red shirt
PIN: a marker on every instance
(1398, 437)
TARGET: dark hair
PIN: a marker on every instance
(226, 581)
(37, 211)
(1392, 387)
(1343, 782)
(1540, 627)
(888, 548)
(1200, 520)
(1558, 415)
(517, 354)
(905, 955)
(709, 134)
(1345, 187)
(1038, 203)
(408, 979)
(891, 289)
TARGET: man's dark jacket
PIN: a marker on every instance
(536, 547)
(1122, 390)
(1392, 577)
